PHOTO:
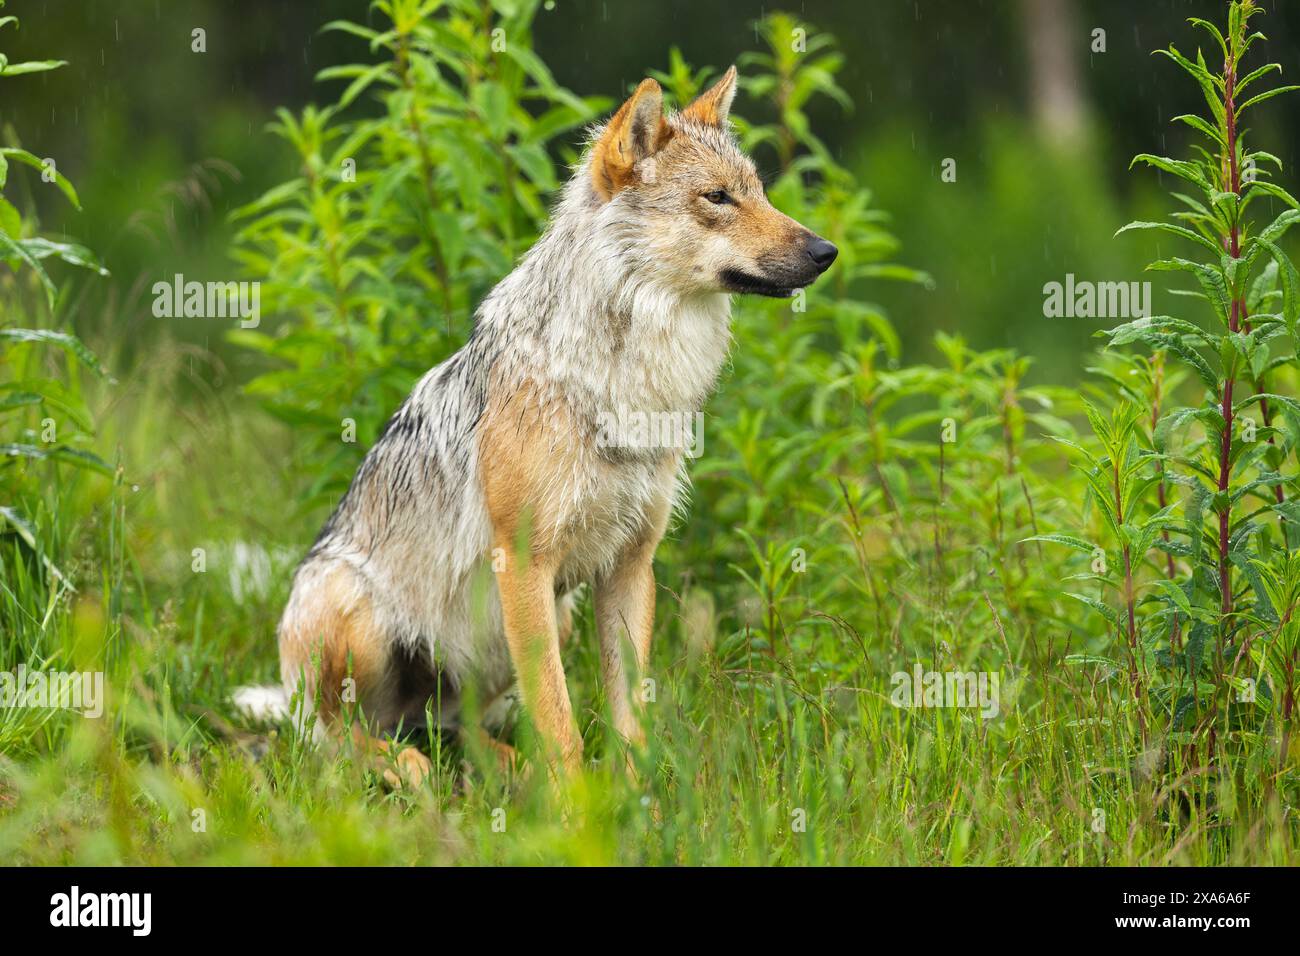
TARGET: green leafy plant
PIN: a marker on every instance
(377, 254)
(28, 393)
(1199, 596)
(45, 430)
(877, 505)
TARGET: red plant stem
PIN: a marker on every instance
(1234, 323)
(1225, 586)
(1128, 604)
(1162, 498)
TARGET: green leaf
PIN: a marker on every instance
(1278, 227)
(64, 340)
(10, 221)
(11, 249)
(1137, 329)
(1191, 172)
(28, 535)
(1213, 30)
(1175, 230)
(1264, 96)
(1273, 189)
(1070, 541)
(31, 66)
(1210, 279)
(73, 456)
(364, 78)
(1177, 595)
(1194, 359)
(1077, 659)
(1283, 400)
(1206, 80)
(1101, 607)
(19, 400)
(347, 26)
(272, 197)
(1199, 123)
(1170, 421)
(80, 458)
(1290, 281)
(69, 252)
(36, 163)
(1250, 569)
(1251, 77)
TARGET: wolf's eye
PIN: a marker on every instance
(719, 197)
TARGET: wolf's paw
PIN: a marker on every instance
(412, 769)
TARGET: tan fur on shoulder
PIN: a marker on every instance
(525, 441)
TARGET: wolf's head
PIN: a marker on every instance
(694, 202)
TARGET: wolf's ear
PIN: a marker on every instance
(714, 105)
(638, 130)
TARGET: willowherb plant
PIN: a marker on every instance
(1204, 626)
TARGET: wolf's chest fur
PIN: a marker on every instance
(592, 380)
(658, 367)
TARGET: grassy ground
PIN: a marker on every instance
(759, 754)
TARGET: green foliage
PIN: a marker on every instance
(378, 253)
(1195, 498)
(30, 393)
(16, 248)
(874, 507)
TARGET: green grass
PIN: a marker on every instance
(745, 740)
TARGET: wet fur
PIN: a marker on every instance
(494, 458)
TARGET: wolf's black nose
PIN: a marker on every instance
(822, 253)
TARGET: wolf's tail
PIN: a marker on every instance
(266, 703)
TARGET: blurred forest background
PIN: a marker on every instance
(163, 142)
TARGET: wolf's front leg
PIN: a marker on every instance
(527, 588)
(526, 447)
(625, 613)
(625, 618)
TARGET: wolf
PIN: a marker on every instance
(496, 459)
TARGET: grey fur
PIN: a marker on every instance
(617, 305)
